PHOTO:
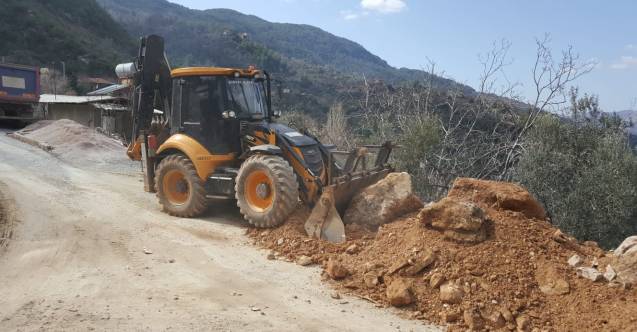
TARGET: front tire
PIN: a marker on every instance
(180, 191)
(266, 190)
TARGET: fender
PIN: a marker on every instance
(267, 149)
(205, 162)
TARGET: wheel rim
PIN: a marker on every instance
(176, 188)
(259, 191)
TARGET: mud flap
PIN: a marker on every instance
(324, 221)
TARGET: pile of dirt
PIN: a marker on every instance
(516, 279)
(78, 144)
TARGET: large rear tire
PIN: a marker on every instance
(266, 190)
(180, 191)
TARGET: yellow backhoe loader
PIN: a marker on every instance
(209, 133)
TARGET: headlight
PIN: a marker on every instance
(232, 114)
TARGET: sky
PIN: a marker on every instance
(455, 33)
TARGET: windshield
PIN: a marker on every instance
(247, 98)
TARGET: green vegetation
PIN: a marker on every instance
(316, 68)
(78, 32)
(583, 170)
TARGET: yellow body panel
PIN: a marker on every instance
(205, 162)
(214, 71)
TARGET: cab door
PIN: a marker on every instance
(201, 101)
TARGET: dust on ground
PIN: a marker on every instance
(81, 146)
(7, 218)
(497, 277)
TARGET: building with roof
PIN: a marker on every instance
(107, 112)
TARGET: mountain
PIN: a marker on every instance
(317, 68)
(78, 32)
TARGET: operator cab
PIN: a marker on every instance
(210, 103)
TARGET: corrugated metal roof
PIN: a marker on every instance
(110, 107)
(107, 90)
(63, 99)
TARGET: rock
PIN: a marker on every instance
(397, 266)
(595, 262)
(458, 220)
(523, 323)
(575, 261)
(280, 241)
(371, 279)
(352, 249)
(421, 263)
(336, 296)
(626, 264)
(271, 256)
(501, 195)
(589, 273)
(507, 315)
(383, 202)
(304, 260)
(148, 251)
(451, 293)
(336, 270)
(496, 320)
(473, 319)
(549, 280)
(629, 244)
(451, 316)
(399, 293)
(610, 273)
(436, 280)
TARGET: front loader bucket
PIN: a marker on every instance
(324, 221)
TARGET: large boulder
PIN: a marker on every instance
(458, 220)
(626, 264)
(500, 195)
(399, 293)
(383, 202)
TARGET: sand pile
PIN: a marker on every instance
(516, 277)
(78, 144)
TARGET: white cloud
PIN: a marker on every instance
(625, 62)
(351, 15)
(384, 6)
(631, 47)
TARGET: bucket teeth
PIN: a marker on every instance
(324, 222)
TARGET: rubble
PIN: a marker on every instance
(589, 273)
(628, 245)
(498, 275)
(304, 260)
(336, 270)
(610, 273)
(399, 293)
(550, 281)
(458, 220)
(451, 293)
(575, 261)
(383, 202)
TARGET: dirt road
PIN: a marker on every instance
(90, 250)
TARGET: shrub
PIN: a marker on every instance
(585, 174)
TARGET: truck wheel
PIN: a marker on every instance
(266, 190)
(180, 191)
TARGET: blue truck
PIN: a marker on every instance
(19, 92)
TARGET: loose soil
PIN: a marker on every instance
(80, 145)
(7, 219)
(497, 275)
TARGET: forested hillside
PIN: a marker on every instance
(314, 67)
(78, 32)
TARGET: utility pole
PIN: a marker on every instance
(63, 70)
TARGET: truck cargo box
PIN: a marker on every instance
(19, 84)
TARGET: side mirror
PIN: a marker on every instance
(276, 113)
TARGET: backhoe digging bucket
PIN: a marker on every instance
(345, 182)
